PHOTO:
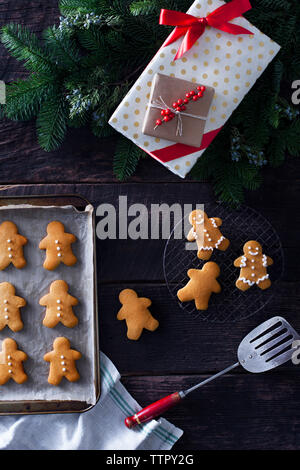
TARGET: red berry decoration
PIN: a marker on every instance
(179, 105)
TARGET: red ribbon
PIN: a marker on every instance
(192, 27)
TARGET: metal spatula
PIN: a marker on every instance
(264, 348)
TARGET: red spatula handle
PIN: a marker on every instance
(153, 410)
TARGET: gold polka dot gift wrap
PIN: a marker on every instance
(229, 63)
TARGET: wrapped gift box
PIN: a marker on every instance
(187, 126)
(228, 63)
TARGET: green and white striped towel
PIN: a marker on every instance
(101, 428)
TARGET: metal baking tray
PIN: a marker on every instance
(55, 406)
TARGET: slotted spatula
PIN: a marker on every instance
(264, 348)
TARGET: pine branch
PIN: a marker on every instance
(52, 122)
(24, 97)
(127, 156)
(24, 46)
(62, 48)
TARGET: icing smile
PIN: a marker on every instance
(253, 253)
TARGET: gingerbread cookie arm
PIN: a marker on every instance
(20, 356)
(191, 235)
(238, 262)
(70, 237)
(44, 300)
(145, 302)
(72, 300)
(76, 354)
(48, 356)
(269, 261)
(191, 272)
(121, 314)
(216, 288)
(21, 240)
(43, 243)
(18, 302)
(217, 221)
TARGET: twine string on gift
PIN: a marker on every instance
(160, 104)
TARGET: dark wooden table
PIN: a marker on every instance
(239, 411)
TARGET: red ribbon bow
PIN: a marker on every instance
(192, 28)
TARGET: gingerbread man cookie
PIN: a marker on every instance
(11, 246)
(206, 233)
(203, 282)
(10, 306)
(135, 311)
(253, 266)
(11, 362)
(58, 246)
(62, 362)
(59, 305)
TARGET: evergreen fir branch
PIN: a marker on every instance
(68, 7)
(52, 122)
(126, 158)
(62, 48)
(24, 97)
(24, 46)
(142, 7)
(87, 64)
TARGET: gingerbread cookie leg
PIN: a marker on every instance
(242, 285)
(205, 255)
(223, 245)
(265, 284)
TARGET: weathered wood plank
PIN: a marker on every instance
(118, 258)
(182, 344)
(234, 412)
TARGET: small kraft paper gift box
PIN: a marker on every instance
(227, 57)
(177, 110)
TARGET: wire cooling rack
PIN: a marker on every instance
(239, 226)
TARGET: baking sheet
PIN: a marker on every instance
(31, 283)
